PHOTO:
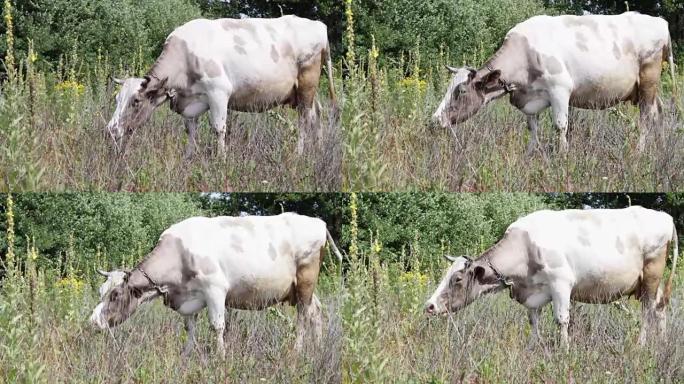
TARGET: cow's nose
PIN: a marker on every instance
(430, 308)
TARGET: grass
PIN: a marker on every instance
(52, 136)
(374, 331)
(394, 146)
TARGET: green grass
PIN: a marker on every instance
(53, 137)
(394, 146)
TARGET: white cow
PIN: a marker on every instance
(590, 256)
(249, 262)
(249, 65)
(591, 62)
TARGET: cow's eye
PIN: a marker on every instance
(114, 295)
(136, 102)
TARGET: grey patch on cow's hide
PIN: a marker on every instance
(274, 54)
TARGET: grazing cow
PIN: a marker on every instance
(249, 65)
(591, 256)
(591, 62)
(248, 262)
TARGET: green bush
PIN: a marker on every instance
(122, 226)
(113, 28)
(462, 27)
(439, 222)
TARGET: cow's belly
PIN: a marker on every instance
(604, 90)
(259, 293)
(606, 287)
(530, 102)
(262, 95)
(186, 302)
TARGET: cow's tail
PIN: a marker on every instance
(671, 64)
(331, 82)
(332, 245)
(665, 298)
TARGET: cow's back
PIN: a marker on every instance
(252, 243)
(597, 56)
(256, 60)
(599, 250)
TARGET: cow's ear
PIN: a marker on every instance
(472, 74)
(145, 82)
(479, 273)
(489, 80)
(137, 292)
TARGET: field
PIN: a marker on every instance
(395, 146)
(374, 329)
(54, 138)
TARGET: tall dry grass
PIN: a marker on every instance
(374, 331)
(53, 137)
(392, 144)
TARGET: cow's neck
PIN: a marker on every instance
(507, 60)
(508, 255)
(162, 266)
(172, 65)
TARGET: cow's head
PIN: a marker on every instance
(118, 300)
(464, 282)
(135, 103)
(467, 94)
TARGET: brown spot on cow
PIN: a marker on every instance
(285, 249)
(211, 68)
(583, 240)
(628, 47)
(286, 50)
(237, 25)
(552, 65)
(206, 266)
(616, 51)
(582, 46)
(581, 41)
(581, 21)
(272, 32)
(274, 54)
(272, 252)
(238, 40)
(240, 50)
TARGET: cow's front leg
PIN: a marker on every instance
(190, 326)
(216, 308)
(560, 106)
(533, 126)
(191, 129)
(533, 316)
(560, 297)
(218, 113)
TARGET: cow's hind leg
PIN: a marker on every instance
(307, 85)
(654, 267)
(649, 77)
(308, 306)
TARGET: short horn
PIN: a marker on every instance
(451, 69)
(103, 273)
(450, 258)
(117, 81)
